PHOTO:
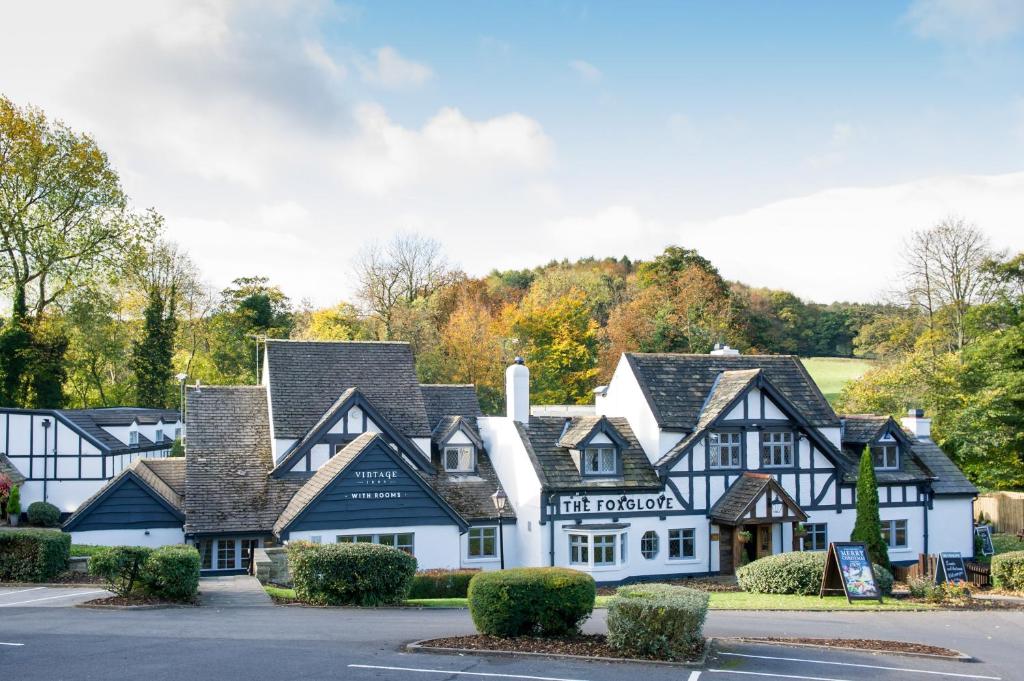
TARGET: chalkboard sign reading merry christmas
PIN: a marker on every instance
(848, 571)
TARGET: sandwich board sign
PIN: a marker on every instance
(950, 568)
(985, 532)
(848, 572)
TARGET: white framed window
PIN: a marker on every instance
(133, 437)
(894, 533)
(725, 450)
(649, 544)
(460, 458)
(599, 461)
(682, 544)
(483, 542)
(816, 537)
(776, 448)
(604, 549)
(316, 539)
(579, 549)
(403, 541)
(598, 550)
(159, 435)
(227, 554)
(177, 433)
(885, 456)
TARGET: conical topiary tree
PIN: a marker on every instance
(868, 528)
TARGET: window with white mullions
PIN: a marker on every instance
(483, 542)
(776, 448)
(403, 541)
(894, 533)
(599, 461)
(682, 544)
(649, 544)
(604, 549)
(227, 554)
(460, 459)
(815, 537)
(885, 457)
(579, 549)
(725, 450)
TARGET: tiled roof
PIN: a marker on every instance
(171, 470)
(949, 479)
(153, 476)
(307, 377)
(677, 385)
(861, 428)
(448, 425)
(449, 400)
(10, 470)
(91, 421)
(228, 458)
(557, 470)
(469, 495)
(732, 505)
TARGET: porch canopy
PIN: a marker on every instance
(756, 498)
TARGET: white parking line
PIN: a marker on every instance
(778, 676)
(50, 598)
(862, 666)
(11, 644)
(21, 591)
(449, 671)
(693, 676)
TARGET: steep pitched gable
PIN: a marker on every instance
(580, 430)
(136, 498)
(753, 498)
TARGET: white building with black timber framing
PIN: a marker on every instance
(686, 465)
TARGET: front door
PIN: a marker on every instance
(764, 540)
(726, 550)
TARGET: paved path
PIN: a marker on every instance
(236, 591)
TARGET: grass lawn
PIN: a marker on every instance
(78, 550)
(832, 373)
(1006, 542)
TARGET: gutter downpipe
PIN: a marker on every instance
(551, 530)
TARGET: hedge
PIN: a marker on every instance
(441, 583)
(1008, 570)
(43, 514)
(172, 573)
(531, 601)
(350, 574)
(32, 555)
(120, 567)
(657, 620)
(799, 572)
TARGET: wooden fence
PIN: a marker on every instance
(977, 573)
(1005, 510)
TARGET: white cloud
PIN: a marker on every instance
(586, 70)
(836, 150)
(971, 22)
(391, 70)
(385, 155)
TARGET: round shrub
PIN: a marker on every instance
(43, 514)
(799, 572)
(33, 555)
(1008, 570)
(172, 573)
(531, 601)
(657, 620)
(441, 583)
(350, 574)
(120, 567)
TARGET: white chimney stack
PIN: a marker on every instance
(517, 391)
(917, 424)
(724, 350)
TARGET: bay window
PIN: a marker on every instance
(597, 550)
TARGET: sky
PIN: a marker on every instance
(794, 144)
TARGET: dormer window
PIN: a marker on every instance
(600, 461)
(460, 458)
(159, 435)
(133, 438)
(885, 456)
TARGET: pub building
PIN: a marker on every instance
(685, 465)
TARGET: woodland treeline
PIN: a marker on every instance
(106, 310)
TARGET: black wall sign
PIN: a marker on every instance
(985, 532)
(951, 568)
(848, 571)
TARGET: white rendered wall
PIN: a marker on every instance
(435, 546)
(154, 538)
(66, 495)
(625, 398)
(519, 480)
(951, 525)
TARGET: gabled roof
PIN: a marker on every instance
(10, 470)
(449, 425)
(557, 471)
(862, 428)
(580, 430)
(741, 499)
(449, 400)
(948, 478)
(335, 466)
(151, 479)
(306, 378)
(676, 386)
(470, 494)
(228, 460)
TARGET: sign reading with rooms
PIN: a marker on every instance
(620, 504)
(377, 477)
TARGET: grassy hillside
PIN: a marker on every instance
(832, 373)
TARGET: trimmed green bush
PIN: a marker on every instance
(1008, 570)
(120, 567)
(172, 573)
(43, 514)
(14, 502)
(32, 555)
(441, 583)
(657, 620)
(799, 572)
(531, 601)
(350, 574)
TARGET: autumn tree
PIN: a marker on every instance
(249, 310)
(340, 322)
(475, 352)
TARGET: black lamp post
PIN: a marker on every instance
(46, 454)
(499, 499)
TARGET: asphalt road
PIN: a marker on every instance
(55, 643)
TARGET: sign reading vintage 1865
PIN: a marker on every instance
(620, 504)
(373, 478)
(848, 572)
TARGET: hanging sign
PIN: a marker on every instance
(985, 532)
(848, 572)
(951, 568)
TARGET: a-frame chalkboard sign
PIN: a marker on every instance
(985, 532)
(848, 572)
(950, 568)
